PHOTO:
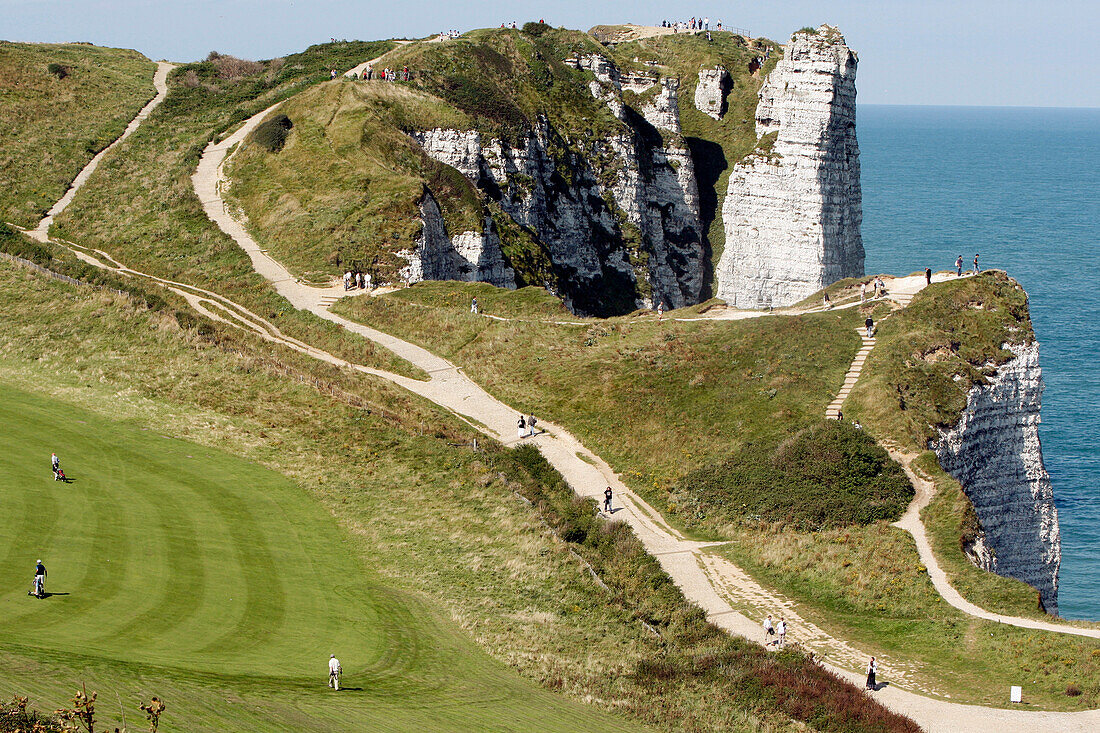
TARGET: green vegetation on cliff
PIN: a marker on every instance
(60, 104)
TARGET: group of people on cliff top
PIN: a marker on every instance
(353, 279)
(695, 24)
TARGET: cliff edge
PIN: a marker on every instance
(994, 452)
(793, 208)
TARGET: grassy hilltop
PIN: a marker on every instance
(60, 104)
(344, 187)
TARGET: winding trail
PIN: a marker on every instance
(708, 580)
(160, 84)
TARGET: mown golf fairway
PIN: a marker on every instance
(186, 572)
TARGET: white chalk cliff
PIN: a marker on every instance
(469, 256)
(711, 91)
(793, 209)
(994, 452)
(620, 223)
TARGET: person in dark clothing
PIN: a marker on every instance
(959, 266)
(976, 269)
(928, 275)
(870, 324)
(607, 494)
(39, 590)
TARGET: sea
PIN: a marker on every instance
(1020, 186)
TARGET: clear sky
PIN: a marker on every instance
(971, 52)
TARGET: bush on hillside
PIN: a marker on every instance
(271, 134)
(58, 70)
(231, 68)
(829, 475)
(534, 29)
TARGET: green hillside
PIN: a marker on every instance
(438, 550)
(725, 434)
(60, 104)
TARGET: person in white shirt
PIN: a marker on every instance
(782, 632)
(334, 672)
(769, 630)
(872, 668)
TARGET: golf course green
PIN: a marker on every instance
(219, 585)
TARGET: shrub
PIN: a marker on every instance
(1073, 690)
(231, 68)
(534, 29)
(829, 475)
(271, 134)
(58, 70)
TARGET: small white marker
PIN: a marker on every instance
(1016, 693)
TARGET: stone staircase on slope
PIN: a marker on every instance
(833, 410)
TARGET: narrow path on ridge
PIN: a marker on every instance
(706, 580)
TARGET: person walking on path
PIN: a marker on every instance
(863, 292)
(39, 590)
(782, 641)
(826, 303)
(959, 266)
(769, 630)
(928, 276)
(976, 268)
(55, 463)
(473, 306)
(660, 310)
(531, 426)
(607, 494)
(872, 668)
(347, 280)
(334, 671)
(522, 426)
(870, 324)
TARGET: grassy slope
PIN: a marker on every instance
(707, 384)
(176, 559)
(344, 189)
(783, 371)
(140, 206)
(432, 519)
(53, 127)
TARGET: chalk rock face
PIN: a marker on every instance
(620, 222)
(994, 452)
(793, 210)
(469, 256)
(710, 94)
(664, 112)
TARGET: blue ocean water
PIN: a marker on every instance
(1020, 186)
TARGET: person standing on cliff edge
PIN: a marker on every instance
(976, 269)
(959, 266)
(928, 276)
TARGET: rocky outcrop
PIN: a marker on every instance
(793, 209)
(469, 256)
(711, 91)
(994, 452)
(620, 222)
